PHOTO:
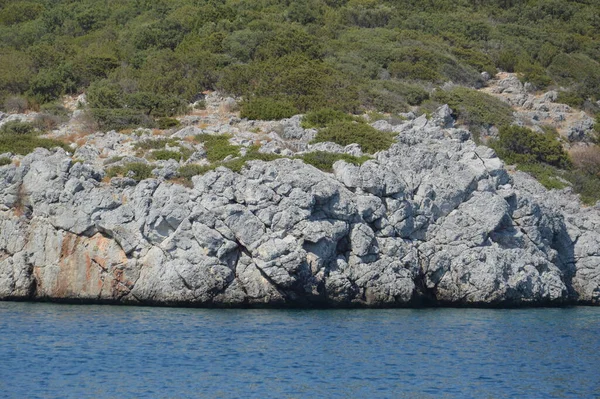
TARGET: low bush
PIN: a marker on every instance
(570, 98)
(542, 156)
(587, 159)
(189, 171)
(547, 175)
(536, 75)
(165, 155)
(46, 122)
(17, 128)
(370, 139)
(237, 164)
(200, 105)
(136, 170)
(5, 161)
(167, 123)
(324, 117)
(474, 108)
(25, 143)
(55, 109)
(268, 109)
(154, 144)
(16, 104)
(521, 145)
(585, 184)
(325, 160)
(217, 147)
(120, 119)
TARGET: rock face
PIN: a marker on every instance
(538, 110)
(433, 220)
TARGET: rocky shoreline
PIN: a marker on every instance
(434, 221)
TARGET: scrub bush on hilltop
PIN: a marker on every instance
(542, 156)
(315, 54)
(22, 138)
(344, 133)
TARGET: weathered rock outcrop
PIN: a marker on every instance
(433, 220)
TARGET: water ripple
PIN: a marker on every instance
(63, 351)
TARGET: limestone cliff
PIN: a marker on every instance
(433, 220)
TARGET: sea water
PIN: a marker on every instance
(69, 351)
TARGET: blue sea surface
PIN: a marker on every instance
(70, 351)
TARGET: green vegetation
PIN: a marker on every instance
(324, 117)
(154, 144)
(522, 145)
(325, 160)
(188, 171)
(268, 109)
(167, 123)
(236, 165)
(22, 138)
(542, 156)
(152, 58)
(344, 133)
(165, 155)
(25, 143)
(120, 118)
(474, 108)
(217, 147)
(5, 161)
(17, 128)
(159, 152)
(136, 170)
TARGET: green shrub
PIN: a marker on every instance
(17, 128)
(51, 83)
(547, 175)
(114, 159)
(189, 171)
(268, 109)
(416, 71)
(120, 119)
(154, 144)
(23, 144)
(18, 12)
(521, 145)
(167, 123)
(55, 109)
(475, 108)
(46, 122)
(585, 184)
(324, 117)
(392, 96)
(217, 147)
(165, 155)
(200, 105)
(325, 160)
(236, 165)
(570, 98)
(370, 139)
(5, 161)
(136, 170)
(536, 75)
(16, 104)
(507, 60)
